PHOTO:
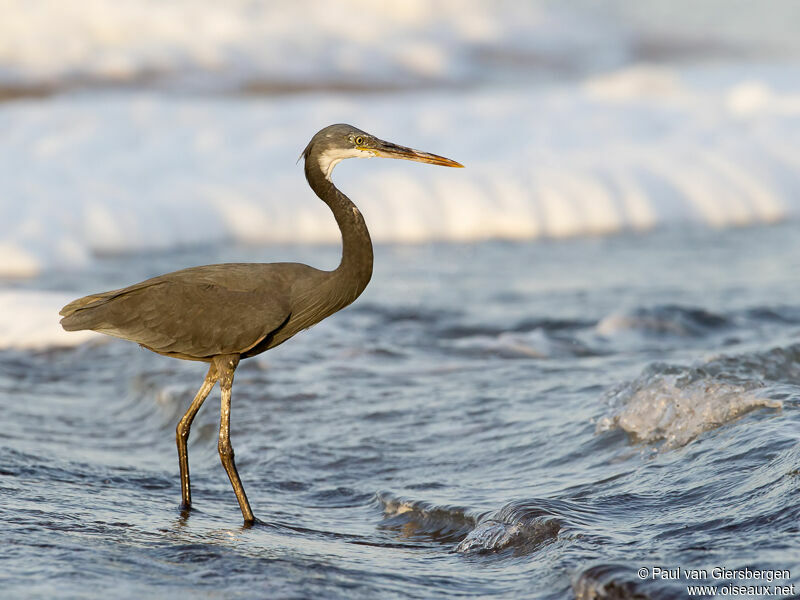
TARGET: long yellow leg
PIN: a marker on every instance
(182, 434)
(226, 365)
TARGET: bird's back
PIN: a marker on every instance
(200, 312)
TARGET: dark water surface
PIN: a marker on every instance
(492, 420)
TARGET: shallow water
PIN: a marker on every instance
(488, 420)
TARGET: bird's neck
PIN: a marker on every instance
(355, 269)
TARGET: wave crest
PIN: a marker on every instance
(676, 404)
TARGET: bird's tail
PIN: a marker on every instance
(75, 315)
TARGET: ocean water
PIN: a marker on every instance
(491, 420)
(579, 356)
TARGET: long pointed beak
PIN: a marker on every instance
(389, 150)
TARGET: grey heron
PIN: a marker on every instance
(221, 314)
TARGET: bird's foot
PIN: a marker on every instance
(185, 509)
(254, 522)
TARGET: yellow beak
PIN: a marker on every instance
(389, 150)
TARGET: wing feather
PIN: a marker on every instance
(195, 313)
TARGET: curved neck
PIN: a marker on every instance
(355, 269)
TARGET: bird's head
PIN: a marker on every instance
(337, 142)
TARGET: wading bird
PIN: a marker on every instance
(220, 314)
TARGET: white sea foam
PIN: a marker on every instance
(29, 321)
(633, 148)
(275, 41)
(665, 408)
(112, 173)
(300, 43)
(17, 263)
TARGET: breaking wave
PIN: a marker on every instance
(223, 171)
(673, 405)
(667, 320)
(420, 521)
(520, 527)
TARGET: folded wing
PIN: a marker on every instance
(190, 314)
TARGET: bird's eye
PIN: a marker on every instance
(359, 140)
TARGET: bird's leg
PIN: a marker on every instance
(226, 365)
(182, 434)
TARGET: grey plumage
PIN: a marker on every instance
(223, 313)
(200, 312)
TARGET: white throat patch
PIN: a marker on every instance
(331, 158)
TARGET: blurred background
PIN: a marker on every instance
(576, 354)
(130, 125)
